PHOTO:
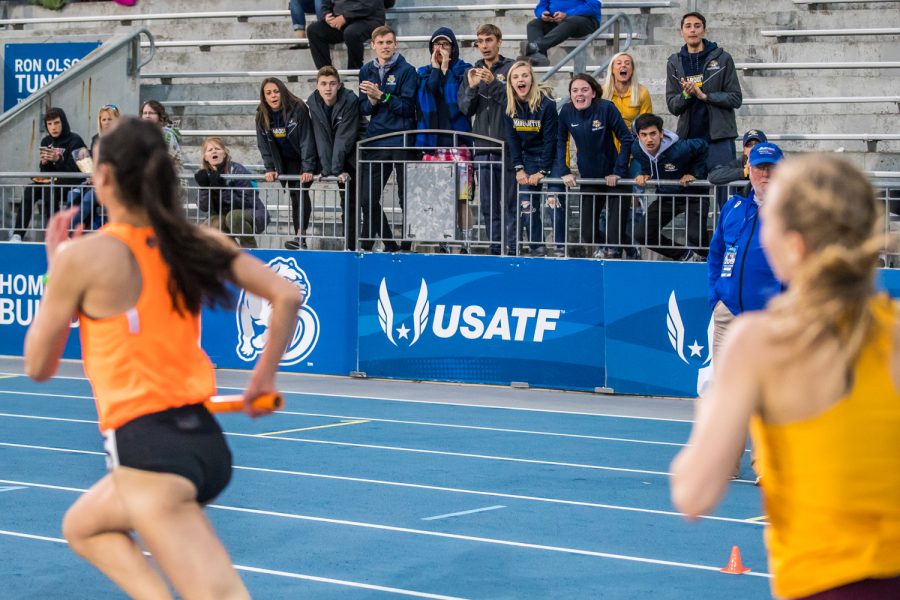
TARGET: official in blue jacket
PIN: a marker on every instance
(662, 156)
(387, 87)
(740, 278)
(593, 124)
(531, 129)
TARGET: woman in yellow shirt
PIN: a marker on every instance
(137, 287)
(623, 89)
(815, 377)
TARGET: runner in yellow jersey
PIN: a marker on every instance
(816, 376)
(137, 288)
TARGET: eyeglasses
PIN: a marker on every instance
(109, 107)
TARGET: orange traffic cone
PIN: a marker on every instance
(735, 566)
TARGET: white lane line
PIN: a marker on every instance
(479, 428)
(483, 540)
(556, 549)
(465, 512)
(11, 488)
(409, 401)
(493, 541)
(343, 582)
(459, 454)
(45, 395)
(415, 450)
(423, 423)
(419, 486)
(41, 418)
(51, 448)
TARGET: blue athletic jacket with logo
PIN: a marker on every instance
(674, 159)
(397, 113)
(593, 130)
(752, 283)
(531, 136)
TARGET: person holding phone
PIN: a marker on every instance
(57, 155)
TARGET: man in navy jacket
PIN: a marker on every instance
(387, 88)
(740, 278)
(662, 156)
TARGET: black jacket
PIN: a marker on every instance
(487, 101)
(336, 139)
(720, 84)
(69, 142)
(300, 136)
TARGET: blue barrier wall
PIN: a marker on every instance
(634, 327)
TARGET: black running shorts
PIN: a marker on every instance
(185, 441)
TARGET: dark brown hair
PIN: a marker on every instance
(288, 102)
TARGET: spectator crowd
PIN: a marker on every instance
(504, 136)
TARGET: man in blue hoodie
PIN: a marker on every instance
(663, 156)
(740, 278)
(703, 91)
(557, 21)
(387, 88)
(438, 103)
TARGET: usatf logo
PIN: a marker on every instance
(253, 316)
(471, 322)
(675, 327)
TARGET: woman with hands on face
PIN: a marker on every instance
(285, 139)
(531, 129)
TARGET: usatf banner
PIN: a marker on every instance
(629, 326)
(482, 319)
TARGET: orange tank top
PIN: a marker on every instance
(149, 358)
(831, 483)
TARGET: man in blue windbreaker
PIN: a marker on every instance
(740, 278)
(557, 21)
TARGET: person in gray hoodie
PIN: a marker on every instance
(482, 96)
(337, 125)
(703, 91)
(663, 156)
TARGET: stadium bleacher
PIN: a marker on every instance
(774, 44)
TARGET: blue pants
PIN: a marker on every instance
(91, 214)
(529, 211)
(301, 8)
(557, 214)
(490, 190)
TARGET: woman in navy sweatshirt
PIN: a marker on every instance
(531, 124)
(285, 139)
(593, 124)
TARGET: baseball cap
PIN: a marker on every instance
(763, 154)
(441, 37)
(755, 134)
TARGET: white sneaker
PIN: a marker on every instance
(15, 238)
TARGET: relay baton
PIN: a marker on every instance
(235, 403)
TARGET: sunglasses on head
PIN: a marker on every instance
(109, 107)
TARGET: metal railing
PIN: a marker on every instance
(592, 220)
(577, 55)
(244, 15)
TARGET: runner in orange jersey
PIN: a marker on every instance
(137, 288)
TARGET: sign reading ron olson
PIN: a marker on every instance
(29, 67)
(481, 320)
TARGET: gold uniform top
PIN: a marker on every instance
(831, 483)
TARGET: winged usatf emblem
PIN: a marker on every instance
(419, 316)
(385, 312)
(420, 313)
(675, 327)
